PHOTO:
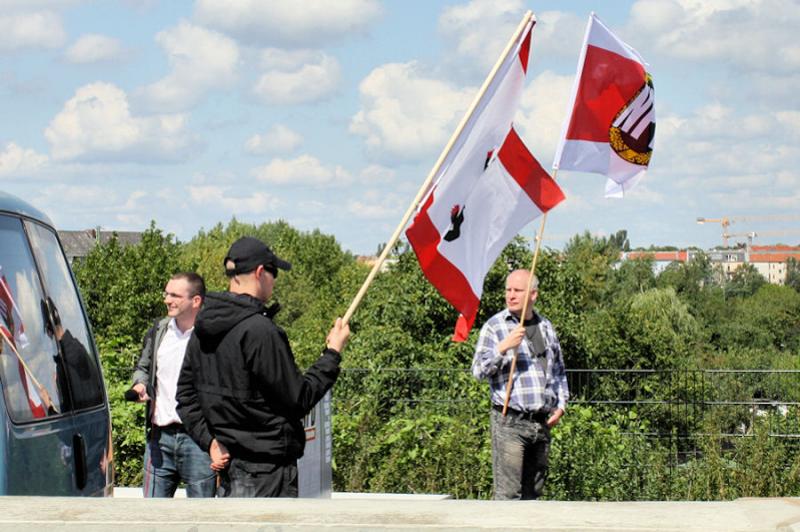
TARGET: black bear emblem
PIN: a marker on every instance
(456, 219)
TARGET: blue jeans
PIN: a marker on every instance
(172, 456)
(519, 456)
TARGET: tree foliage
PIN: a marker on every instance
(407, 402)
(122, 285)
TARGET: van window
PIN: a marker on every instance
(78, 365)
(28, 361)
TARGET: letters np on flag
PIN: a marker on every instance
(488, 188)
(611, 123)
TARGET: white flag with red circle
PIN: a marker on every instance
(611, 124)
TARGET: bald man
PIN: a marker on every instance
(521, 438)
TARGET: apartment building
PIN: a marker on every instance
(769, 261)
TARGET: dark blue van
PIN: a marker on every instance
(55, 424)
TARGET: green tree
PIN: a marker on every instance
(768, 318)
(633, 276)
(745, 281)
(122, 285)
(662, 330)
(793, 273)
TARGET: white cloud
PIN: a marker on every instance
(376, 173)
(755, 35)
(543, 108)
(93, 48)
(77, 195)
(39, 29)
(376, 205)
(96, 125)
(480, 30)
(311, 78)
(253, 203)
(771, 88)
(558, 34)
(723, 151)
(17, 161)
(277, 140)
(406, 116)
(283, 23)
(476, 25)
(77, 206)
(28, 5)
(303, 170)
(645, 193)
(759, 200)
(201, 60)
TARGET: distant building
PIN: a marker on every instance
(661, 259)
(769, 261)
(78, 244)
(371, 260)
(728, 259)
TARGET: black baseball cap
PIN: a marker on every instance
(248, 252)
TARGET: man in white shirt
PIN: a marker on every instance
(171, 456)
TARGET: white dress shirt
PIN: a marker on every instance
(170, 359)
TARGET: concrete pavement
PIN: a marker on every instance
(22, 514)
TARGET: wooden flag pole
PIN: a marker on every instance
(423, 190)
(41, 390)
(539, 236)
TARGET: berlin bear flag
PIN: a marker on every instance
(612, 122)
(487, 189)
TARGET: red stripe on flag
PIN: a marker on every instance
(442, 274)
(525, 49)
(528, 173)
(607, 83)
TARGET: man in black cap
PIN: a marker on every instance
(240, 394)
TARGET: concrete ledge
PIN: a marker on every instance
(23, 514)
(180, 493)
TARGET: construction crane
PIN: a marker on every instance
(726, 221)
(750, 236)
(755, 234)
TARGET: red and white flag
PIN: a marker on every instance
(10, 318)
(12, 330)
(612, 120)
(489, 187)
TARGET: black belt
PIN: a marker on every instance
(540, 416)
(172, 427)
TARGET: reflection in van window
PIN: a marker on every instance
(78, 369)
(28, 354)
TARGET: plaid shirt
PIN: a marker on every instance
(538, 386)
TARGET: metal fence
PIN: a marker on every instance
(675, 403)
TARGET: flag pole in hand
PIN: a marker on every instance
(538, 237)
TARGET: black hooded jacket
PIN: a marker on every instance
(239, 382)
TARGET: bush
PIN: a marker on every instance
(604, 456)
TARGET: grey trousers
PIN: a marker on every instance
(258, 479)
(519, 456)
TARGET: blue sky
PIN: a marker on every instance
(332, 114)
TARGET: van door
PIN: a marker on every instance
(80, 367)
(37, 426)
